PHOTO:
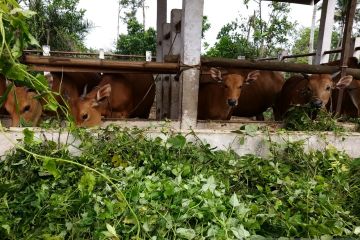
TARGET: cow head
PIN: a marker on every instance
(233, 83)
(88, 108)
(319, 88)
(21, 103)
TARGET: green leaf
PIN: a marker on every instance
(240, 232)
(111, 230)
(28, 136)
(186, 233)
(50, 165)
(87, 183)
(357, 230)
(177, 141)
(6, 227)
(234, 201)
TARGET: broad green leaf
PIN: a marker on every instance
(6, 227)
(177, 141)
(186, 233)
(50, 165)
(209, 185)
(240, 232)
(28, 136)
(87, 183)
(357, 230)
(234, 201)
(111, 230)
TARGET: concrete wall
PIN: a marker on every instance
(256, 143)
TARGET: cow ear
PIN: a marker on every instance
(216, 74)
(344, 82)
(103, 92)
(252, 76)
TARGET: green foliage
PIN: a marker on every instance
(301, 44)
(177, 189)
(305, 118)
(137, 40)
(59, 24)
(255, 37)
(232, 43)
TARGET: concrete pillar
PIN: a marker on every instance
(325, 31)
(161, 19)
(175, 23)
(191, 26)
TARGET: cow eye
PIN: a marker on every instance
(328, 88)
(85, 116)
(26, 108)
(240, 86)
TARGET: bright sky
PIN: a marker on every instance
(103, 15)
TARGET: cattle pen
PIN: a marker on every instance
(179, 64)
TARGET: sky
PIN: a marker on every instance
(103, 15)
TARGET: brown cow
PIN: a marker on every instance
(21, 103)
(351, 99)
(118, 95)
(218, 97)
(259, 96)
(71, 84)
(315, 89)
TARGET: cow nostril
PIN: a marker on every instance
(317, 103)
(232, 102)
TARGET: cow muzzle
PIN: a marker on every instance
(316, 103)
(232, 102)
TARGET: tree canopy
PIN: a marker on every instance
(254, 37)
(137, 40)
(58, 23)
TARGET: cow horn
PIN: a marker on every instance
(335, 74)
(84, 92)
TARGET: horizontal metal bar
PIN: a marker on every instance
(299, 55)
(88, 54)
(61, 62)
(276, 66)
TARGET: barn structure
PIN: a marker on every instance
(178, 83)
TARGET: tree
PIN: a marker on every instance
(274, 34)
(58, 23)
(301, 45)
(232, 43)
(137, 40)
(254, 37)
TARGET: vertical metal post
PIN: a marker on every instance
(166, 44)
(345, 52)
(312, 33)
(176, 50)
(325, 31)
(161, 19)
(191, 25)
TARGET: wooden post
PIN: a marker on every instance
(176, 50)
(325, 31)
(191, 25)
(345, 52)
(166, 44)
(161, 19)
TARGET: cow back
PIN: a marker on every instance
(131, 93)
